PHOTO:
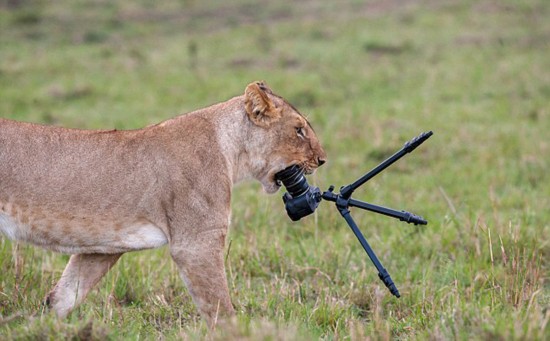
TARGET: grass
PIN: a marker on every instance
(370, 76)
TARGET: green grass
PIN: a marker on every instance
(369, 76)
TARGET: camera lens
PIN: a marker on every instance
(294, 180)
(301, 199)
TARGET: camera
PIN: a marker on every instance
(301, 199)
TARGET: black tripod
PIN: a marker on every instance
(344, 201)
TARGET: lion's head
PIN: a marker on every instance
(279, 136)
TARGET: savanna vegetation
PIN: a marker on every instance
(369, 75)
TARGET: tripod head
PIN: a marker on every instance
(302, 199)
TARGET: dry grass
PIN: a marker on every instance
(370, 76)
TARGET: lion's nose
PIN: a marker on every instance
(321, 161)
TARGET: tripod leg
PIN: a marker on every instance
(382, 272)
(401, 215)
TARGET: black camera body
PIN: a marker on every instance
(301, 199)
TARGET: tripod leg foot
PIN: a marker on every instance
(386, 278)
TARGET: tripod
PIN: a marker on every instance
(344, 201)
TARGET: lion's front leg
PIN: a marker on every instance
(201, 264)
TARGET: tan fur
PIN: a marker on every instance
(98, 194)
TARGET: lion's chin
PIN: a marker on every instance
(269, 184)
(270, 187)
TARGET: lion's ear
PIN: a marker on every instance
(259, 107)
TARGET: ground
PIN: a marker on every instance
(369, 75)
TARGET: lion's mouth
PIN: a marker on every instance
(304, 168)
(308, 171)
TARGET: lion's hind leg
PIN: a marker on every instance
(79, 277)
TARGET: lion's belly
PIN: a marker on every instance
(8, 226)
(100, 235)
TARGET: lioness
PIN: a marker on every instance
(99, 194)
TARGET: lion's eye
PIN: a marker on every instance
(300, 132)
